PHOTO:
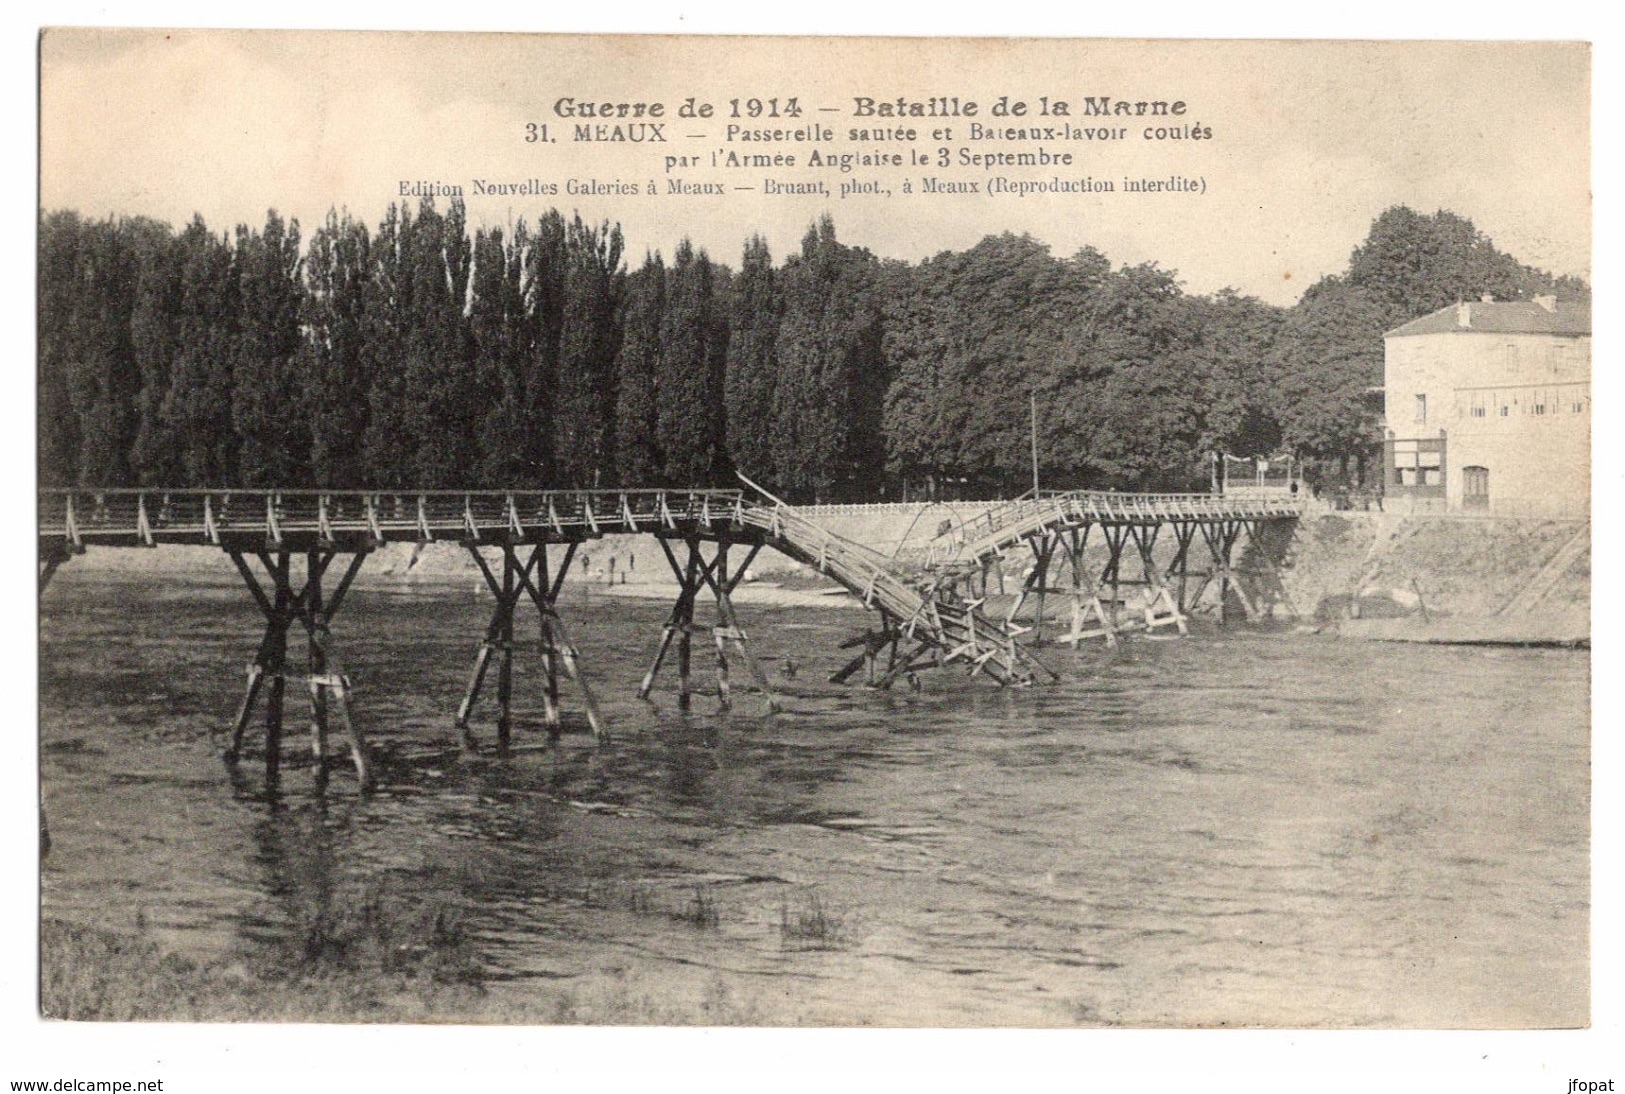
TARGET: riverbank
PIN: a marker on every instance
(1556, 632)
(1442, 578)
(90, 974)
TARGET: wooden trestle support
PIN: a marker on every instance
(872, 644)
(1099, 605)
(694, 576)
(50, 559)
(521, 577)
(889, 640)
(283, 605)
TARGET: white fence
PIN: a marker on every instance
(888, 508)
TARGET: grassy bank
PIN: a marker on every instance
(1448, 578)
(89, 974)
(96, 975)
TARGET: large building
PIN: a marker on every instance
(1488, 407)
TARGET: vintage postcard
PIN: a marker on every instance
(814, 531)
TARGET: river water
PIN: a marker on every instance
(1240, 828)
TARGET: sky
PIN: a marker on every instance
(1310, 140)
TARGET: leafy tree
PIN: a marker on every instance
(386, 318)
(1326, 360)
(689, 385)
(970, 337)
(103, 377)
(517, 322)
(61, 237)
(1417, 264)
(197, 407)
(1139, 417)
(829, 401)
(442, 403)
(1236, 335)
(504, 334)
(639, 459)
(269, 407)
(751, 373)
(335, 365)
(155, 454)
(584, 407)
(546, 266)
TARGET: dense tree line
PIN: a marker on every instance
(414, 354)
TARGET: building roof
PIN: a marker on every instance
(1563, 317)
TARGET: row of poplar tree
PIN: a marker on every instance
(415, 355)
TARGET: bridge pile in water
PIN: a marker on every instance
(930, 613)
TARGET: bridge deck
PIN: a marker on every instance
(296, 519)
(1001, 526)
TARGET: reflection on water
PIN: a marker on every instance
(1240, 829)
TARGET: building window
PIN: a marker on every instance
(1504, 410)
(1421, 408)
(1539, 408)
(1478, 412)
(1475, 487)
(1416, 466)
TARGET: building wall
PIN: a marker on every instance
(1538, 463)
(1518, 405)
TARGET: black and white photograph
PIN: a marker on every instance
(806, 532)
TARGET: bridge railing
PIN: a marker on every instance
(1028, 514)
(871, 576)
(148, 516)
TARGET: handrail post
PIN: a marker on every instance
(371, 506)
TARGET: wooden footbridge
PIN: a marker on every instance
(1054, 529)
(930, 611)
